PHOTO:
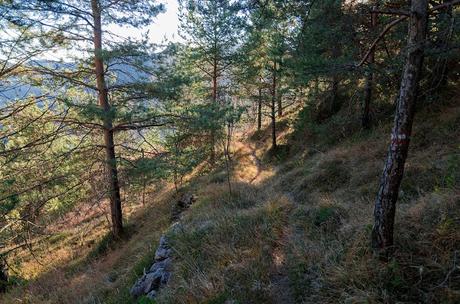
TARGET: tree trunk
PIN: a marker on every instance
(228, 158)
(445, 24)
(214, 81)
(273, 108)
(3, 275)
(144, 182)
(334, 95)
(214, 99)
(334, 105)
(112, 172)
(280, 105)
(385, 204)
(259, 111)
(366, 121)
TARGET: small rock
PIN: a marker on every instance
(165, 278)
(176, 228)
(152, 281)
(163, 265)
(160, 271)
(163, 250)
(138, 288)
(151, 295)
(162, 253)
(206, 225)
(158, 275)
(182, 204)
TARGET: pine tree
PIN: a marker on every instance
(212, 29)
(265, 53)
(385, 205)
(81, 27)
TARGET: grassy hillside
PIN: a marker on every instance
(299, 232)
(294, 229)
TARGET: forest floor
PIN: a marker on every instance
(249, 154)
(294, 229)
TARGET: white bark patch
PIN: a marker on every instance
(399, 137)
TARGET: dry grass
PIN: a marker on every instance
(324, 203)
(300, 223)
(80, 265)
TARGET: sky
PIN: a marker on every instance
(165, 25)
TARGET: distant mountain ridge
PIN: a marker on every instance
(15, 88)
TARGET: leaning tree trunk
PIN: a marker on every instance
(366, 121)
(273, 108)
(114, 187)
(385, 204)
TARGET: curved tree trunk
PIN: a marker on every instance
(385, 204)
(114, 187)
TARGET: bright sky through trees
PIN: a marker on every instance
(165, 28)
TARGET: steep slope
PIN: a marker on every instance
(294, 229)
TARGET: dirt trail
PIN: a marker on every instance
(280, 292)
(257, 162)
(249, 167)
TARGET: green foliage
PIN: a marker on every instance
(213, 28)
(394, 278)
(452, 178)
(280, 154)
(217, 247)
(9, 201)
(219, 299)
(324, 218)
(145, 300)
(304, 280)
(171, 109)
(102, 246)
(323, 215)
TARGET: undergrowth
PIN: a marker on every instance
(304, 214)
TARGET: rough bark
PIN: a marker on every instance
(273, 107)
(385, 204)
(3, 275)
(280, 105)
(112, 172)
(366, 121)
